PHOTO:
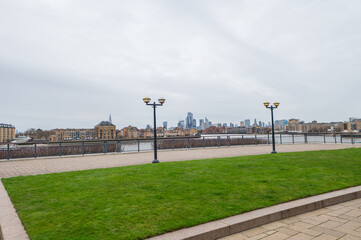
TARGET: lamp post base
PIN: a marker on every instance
(273, 152)
(155, 161)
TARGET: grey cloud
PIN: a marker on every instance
(78, 61)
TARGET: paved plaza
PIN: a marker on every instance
(341, 221)
(14, 168)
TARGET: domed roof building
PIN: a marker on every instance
(105, 123)
(105, 130)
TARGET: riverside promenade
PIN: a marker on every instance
(12, 228)
(31, 166)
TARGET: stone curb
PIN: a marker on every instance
(11, 227)
(232, 225)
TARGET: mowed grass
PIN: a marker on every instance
(136, 202)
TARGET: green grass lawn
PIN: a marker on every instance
(136, 202)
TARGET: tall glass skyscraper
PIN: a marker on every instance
(189, 120)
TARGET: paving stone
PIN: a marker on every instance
(330, 224)
(307, 231)
(287, 231)
(300, 236)
(349, 237)
(276, 236)
(325, 237)
(327, 231)
(255, 231)
(274, 225)
(351, 225)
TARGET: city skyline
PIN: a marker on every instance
(248, 122)
(69, 64)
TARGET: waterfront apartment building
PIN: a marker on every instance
(7, 132)
(72, 134)
(129, 132)
(105, 130)
(354, 126)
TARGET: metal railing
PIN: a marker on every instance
(47, 149)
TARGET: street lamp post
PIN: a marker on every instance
(275, 105)
(154, 105)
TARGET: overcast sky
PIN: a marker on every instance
(69, 63)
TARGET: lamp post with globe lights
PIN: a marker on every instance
(275, 105)
(154, 105)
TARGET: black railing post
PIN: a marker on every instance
(255, 139)
(340, 137)
(324, 138)
(268, 142)
(280, 138)
(335, 138)
(228, 141)
(82, 148)
(242, 140)
(104, 147)
(59, 149)
(219, 141)
(35, 150)
(189, 144)
(173, 143)
(118, 148)
(138, 145)
(203, 142)
(352, 139)
(306, 138)
(8, 150)
(293, 138)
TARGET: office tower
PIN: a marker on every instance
(207, 122)
(181, 124)
(201, 121)
(189, 120)
(165, 124)
(247, 122)
(255, 122)
(231, 125)
(194, 124)
(241, 124)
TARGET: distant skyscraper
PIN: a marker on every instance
(201, 121)
(260, 123)
(255, 122)
(241, 124)
(247, 122)
(231, 125)
(181, 124)
(165, 124)
(207, 122)
(110, 118)
(189, 120)
(194, 124)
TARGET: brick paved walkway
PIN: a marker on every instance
(341, 221)
(64, 164)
